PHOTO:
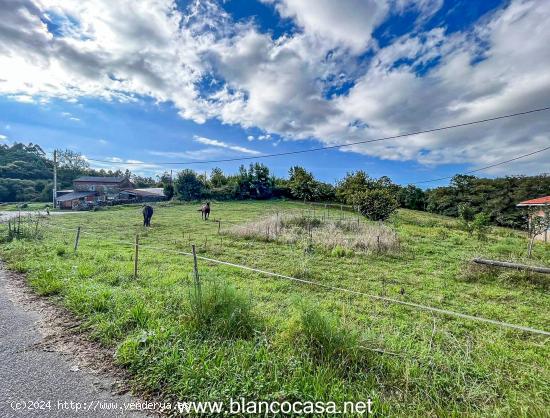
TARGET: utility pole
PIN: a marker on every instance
(171, 179)
(54, 178)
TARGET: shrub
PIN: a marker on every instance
(377, 204)
(466, 215)
(220, 310)
(480, 225)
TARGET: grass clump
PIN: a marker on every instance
(219, 310)
(47, 283)
(325, 339)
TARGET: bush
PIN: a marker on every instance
(377, 204)
(466, 215)
(480, 225)
(220, 310)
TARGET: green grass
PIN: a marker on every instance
(265, 338)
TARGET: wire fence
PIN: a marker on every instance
(418, 306)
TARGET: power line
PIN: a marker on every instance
(329, 147)
(484, 168)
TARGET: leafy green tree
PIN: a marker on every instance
(466, 214)
(70, 165)
(352, 186)
(412, 197)
(377, 204)
(242, 182)
(324, 192)
(302, 184)
(217, 178)
(261, 184)
(168, 190)
(188, 186)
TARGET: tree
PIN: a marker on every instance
(466, 215)
(168, 190)
(140, 181)
(412, 197)
(217, 178)
(377, 204)
(261, 184)
(538, 222)
(352, 186)
(188, 186)
(302, 184)
(242, 183)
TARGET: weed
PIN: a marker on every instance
(222, 311)
(325, 339)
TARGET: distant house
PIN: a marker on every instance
(90, 191)
(539, 206)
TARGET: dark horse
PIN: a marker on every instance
(205, 211)
(147, 215)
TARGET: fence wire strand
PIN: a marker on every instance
(330, 287)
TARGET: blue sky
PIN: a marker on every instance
(200, 80)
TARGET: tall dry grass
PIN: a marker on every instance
(294, 227)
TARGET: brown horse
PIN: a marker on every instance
(205, 211)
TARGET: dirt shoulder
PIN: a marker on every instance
(43, 357)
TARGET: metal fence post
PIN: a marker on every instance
(198, 290)
(136, 254)
(77, 238)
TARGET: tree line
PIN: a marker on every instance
(26, 175)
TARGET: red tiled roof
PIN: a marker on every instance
(539, 201)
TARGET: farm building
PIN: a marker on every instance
(73, 200)
(105, 186)
(151, 194)
(540, 207)
(89, 191)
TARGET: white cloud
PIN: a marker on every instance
(22, 98)
(3, 137)
(200, 154)
(125, 50)
(221, 144)
(347, 23)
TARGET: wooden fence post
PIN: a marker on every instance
(77, 238)
(198, 290)
(219, 226)
(136, 254)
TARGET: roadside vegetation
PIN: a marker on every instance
(258, 337)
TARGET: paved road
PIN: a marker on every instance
(29, 372)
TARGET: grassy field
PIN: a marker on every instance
(266, 338)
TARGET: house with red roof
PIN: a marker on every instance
(539, 207)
